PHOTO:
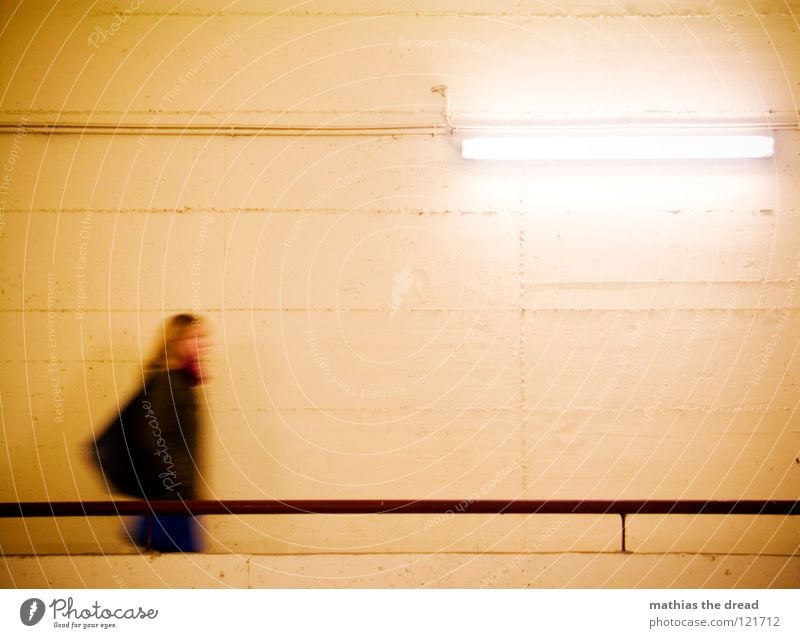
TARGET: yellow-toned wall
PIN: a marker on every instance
(390, 320)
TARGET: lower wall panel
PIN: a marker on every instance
(561, 570)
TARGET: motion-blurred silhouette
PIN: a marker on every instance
(150, 450)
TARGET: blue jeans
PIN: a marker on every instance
(171, 533)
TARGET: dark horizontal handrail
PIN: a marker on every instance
(340, 506)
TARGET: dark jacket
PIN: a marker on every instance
(151, 450)
(166, 436)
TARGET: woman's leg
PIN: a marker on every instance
(174, 533)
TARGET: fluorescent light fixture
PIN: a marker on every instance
(618, 147)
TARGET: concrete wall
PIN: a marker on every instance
(391, 321)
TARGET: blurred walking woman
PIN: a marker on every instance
(151, 450)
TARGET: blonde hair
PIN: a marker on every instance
(174, 330)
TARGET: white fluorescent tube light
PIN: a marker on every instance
(618, 147)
